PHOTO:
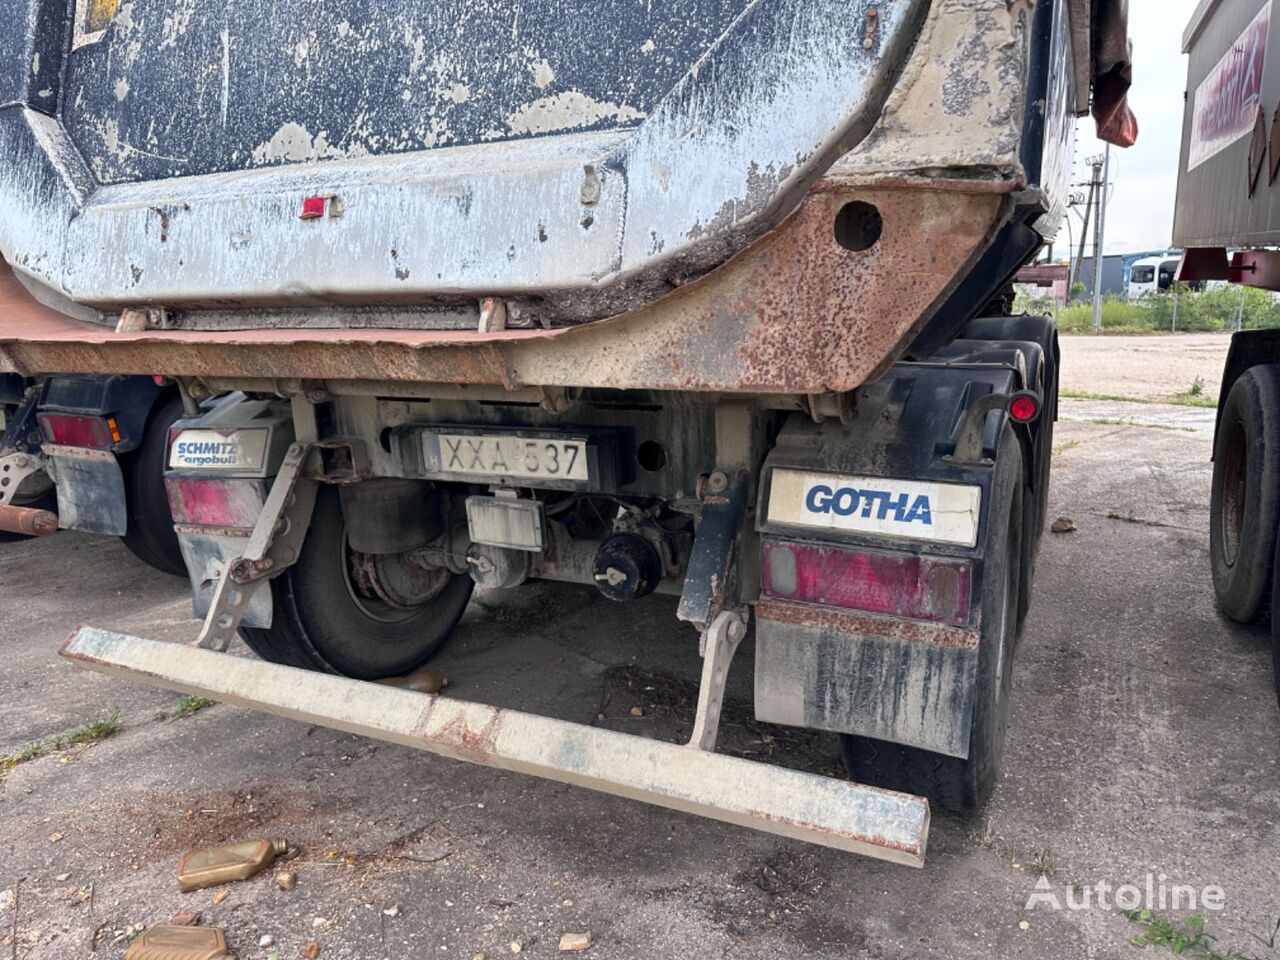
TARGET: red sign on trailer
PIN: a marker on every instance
(1228, 99)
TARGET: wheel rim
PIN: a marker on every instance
(372, 607)
(1234, 474)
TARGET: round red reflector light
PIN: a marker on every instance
(1024, 409)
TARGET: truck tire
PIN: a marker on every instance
(1275, 628)
(150, 535)
(1246, 488)
(964, 785)
(322, 621)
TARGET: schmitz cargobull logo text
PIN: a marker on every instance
(208, 453)
(881, 504)
(213, 449)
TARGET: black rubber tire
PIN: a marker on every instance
(1027, 553)
(964, 785)
(150, 535)
(1275, 625)
(318, 624)
(1246, 492)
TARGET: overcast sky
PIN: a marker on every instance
(1144, 177)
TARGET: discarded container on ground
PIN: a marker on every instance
(218, 865)
(164, 942)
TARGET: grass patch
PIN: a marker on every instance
(189, 706)
(91, 732)
(1184, 399)
(1189, 938)
(1188, 399)
(1042, 864)
(1066, 445)
(1086, 395)
(95, 730)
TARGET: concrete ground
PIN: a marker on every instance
(1144, 739)
(1148, 368)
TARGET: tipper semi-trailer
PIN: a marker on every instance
(705, 298)
(1227, 220)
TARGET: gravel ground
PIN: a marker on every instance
(1145, 368)
(1143, 739)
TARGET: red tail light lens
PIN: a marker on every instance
(211, 502)
(1024, 408)
(907, 585)
(74, 430)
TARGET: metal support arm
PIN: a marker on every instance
(272, 548)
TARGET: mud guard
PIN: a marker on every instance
(891, 677)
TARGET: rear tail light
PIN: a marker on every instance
(906, 585)
(1024, 407)
(209, 502)
(75, 430)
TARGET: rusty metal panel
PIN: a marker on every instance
(798, 311)
(835, 813)
(904, 681)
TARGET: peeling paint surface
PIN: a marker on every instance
(960, 99)
(568, 111)
(367, 78)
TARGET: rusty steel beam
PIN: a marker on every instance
(805, 806)
(801, 310)
(27, 520)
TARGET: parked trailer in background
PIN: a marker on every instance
(87, 452)
(1228, 197)
(699, 298)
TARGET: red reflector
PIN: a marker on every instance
(907, 585)
(159, 379)
(214, 503)
(312, 208)
(73, 430)
(1024, 408)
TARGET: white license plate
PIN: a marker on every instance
(497, 456)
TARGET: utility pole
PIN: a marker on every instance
(1098, 237)
(1074, 272)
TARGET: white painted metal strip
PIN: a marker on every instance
(835, 813)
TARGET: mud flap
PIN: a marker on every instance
(90, 490)
(834, 813)
(889, 679)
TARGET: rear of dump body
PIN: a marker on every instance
(767, 197)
